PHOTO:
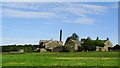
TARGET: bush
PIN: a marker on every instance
(68, 48)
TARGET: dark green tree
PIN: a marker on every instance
(88, 39)
(99, 43)
(97, 38)
(74, 36)
(88, 45)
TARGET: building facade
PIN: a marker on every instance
(107, 45)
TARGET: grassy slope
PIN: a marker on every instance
(62, 59)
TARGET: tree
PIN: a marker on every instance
(97, 38)
(68, 48)
(74, 36)
(88, 45)
(88, 39)
(99, 43)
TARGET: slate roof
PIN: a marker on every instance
(75, 41)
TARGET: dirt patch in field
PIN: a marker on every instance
(67, 64)
(85, 58)
(16, 63)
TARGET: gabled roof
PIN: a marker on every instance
(104, 41)
(44, 41)
(55, 42)
(50, 41)
(74, 41)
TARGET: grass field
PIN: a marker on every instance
(61, 59)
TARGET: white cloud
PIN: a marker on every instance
(81, 9)
(83, 20)
(115, 5)
(23, 14)
(61, 11)
(20, 5)
(51, 6)
(60, 0)
(95, 7)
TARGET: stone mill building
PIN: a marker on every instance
(57, 46)
(49, 45)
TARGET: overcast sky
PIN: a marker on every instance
(27, 23)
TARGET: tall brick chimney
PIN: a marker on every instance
(60, 35)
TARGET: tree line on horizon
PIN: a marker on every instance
(27, 48)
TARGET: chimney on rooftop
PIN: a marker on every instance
(107, 38)
(60, 35)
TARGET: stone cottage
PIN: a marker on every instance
(49, 45)
(77, 44)
(74, 43)
(107, 44)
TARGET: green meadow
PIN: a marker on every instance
(61, 59)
